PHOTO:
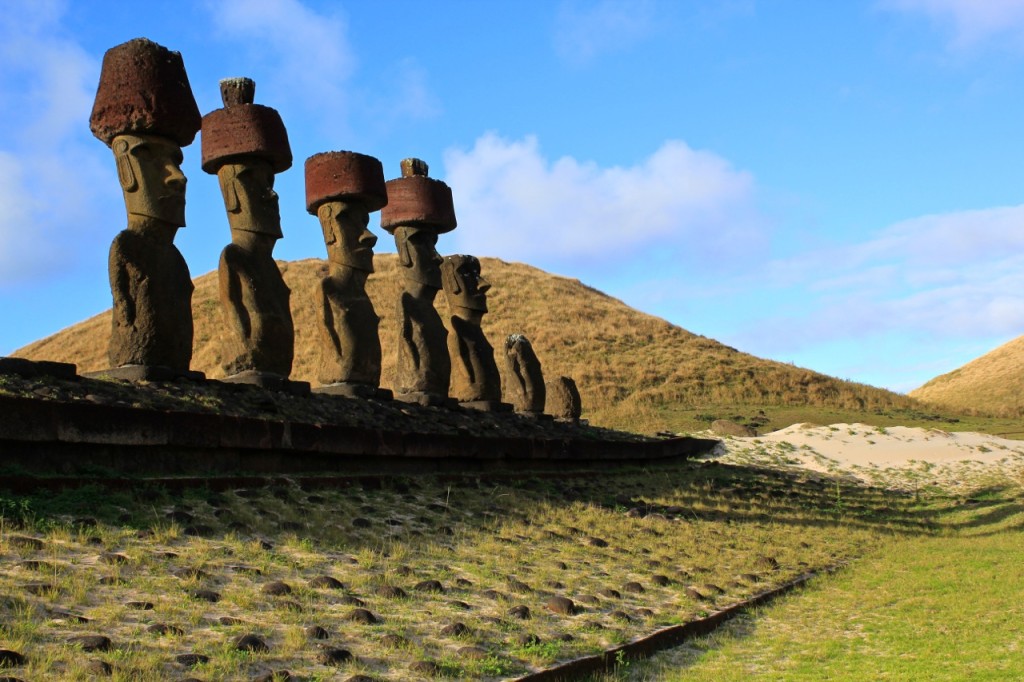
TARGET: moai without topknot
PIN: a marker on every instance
(475, 381)
(145, 112)
(526, 378)
(245, 145)
(342, 189)
(419, 209)
(563, 400)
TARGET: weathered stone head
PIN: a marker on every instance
(245, 145)
(563, 400)
(526, 387)
(342, 189)
(419, 209)
(145, 112)
(464, 286)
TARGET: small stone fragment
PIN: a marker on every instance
(91, 642)
(333, 656)
(205, 595)
(455, 630)
(251, 643)
(11, 658)
(522, 612)
(361, 616)
(98, 667)
(429, 586)
(561, 605)
(634, 587)
(317, 632)
(276, 588)
(326, 582)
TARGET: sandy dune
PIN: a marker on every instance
(900, 457)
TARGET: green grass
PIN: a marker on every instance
(945, 607)
(493, 545)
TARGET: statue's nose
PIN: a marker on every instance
(483, 286)
(368, 239)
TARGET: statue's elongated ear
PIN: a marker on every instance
(125, 171)
(450, 279)
(402, 242)
(229, 188)
(325, 213)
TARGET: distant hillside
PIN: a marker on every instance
(621, 358)
(992, 384)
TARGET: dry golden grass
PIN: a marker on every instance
(626, 363)
(992, 384)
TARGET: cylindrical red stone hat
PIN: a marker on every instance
(345, 176)
(243, 129)
(417, 200)
(144, 90)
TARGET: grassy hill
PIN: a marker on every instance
(630, 366)
(992, 384)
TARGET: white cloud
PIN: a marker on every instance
(957, 275)
(585, 30)
(514, 203)
(972, 21)
(307, 53)
(48, 159)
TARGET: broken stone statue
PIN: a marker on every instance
(419, 209)
(526, 379)
(563, 400)
(342, 189)
(475, 381)
(145, 112)
(245, 145)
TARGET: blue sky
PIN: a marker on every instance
(835, 184)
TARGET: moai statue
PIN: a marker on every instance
(563, 400)
(526, 385)
(245, 145)
(342, 189)
(475, 379)
(419, 209)
(145, 112)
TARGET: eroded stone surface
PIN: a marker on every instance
(474, 375)
(245, 145)
(145, 112)
(526, 389)
(342, 189)
(419, 208)
(563, 399)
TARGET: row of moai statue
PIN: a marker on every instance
(145, 112)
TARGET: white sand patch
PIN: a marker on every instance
(899, 456)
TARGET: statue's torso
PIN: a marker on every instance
(423, 364)
(349, 333)
(152, 312)
(264, 303)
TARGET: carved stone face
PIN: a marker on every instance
(348, 240)
(249, 197)
(417, 252)
(464, 286)
(149, 169)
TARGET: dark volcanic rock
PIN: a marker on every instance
(317, 632)
(634, 587)
(205, 595)
(164, 629)
(426, 668)
(455, 630)
(390, 592)
(429, 586)
(326, 582)
(394, 641)
(190, 660)
(333, 656)
(98, 667)
(361, 616)
(250, 643)
(91, 642)
(276, 588)
(561, 605)
(11, 658)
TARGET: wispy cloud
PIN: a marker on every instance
(957, 275)
(972, 21)
(585, 30)
(305, 52)
(48, 209)
(515, 203)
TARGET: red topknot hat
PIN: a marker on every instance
(342, 176)
(417, 200)
(144, 90)
(242, 128)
